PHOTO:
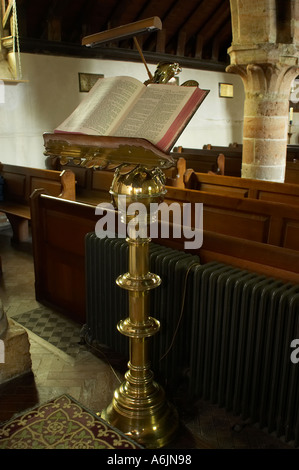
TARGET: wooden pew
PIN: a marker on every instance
(253, 235)
(232, 148)
(20, 182)
(292, 172)
(206, 160)
(269, 223)
(292, 152)
(242, 187)
(92, 186)
(221, 148)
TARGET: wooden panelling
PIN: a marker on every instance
(237, 224)
(291, 235)
(14, 186)
(58, 237)
(57, 232)
(225, 190)
(290, 199)
(51, 187)
(292, 172)
(101, 180)
(239, 217)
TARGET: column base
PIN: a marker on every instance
(265, 172)
(16, 349)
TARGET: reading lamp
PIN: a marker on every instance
(139, 407)
(130, 30)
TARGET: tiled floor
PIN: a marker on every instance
(61, 365)
(53, 328)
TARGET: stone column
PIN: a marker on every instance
(265, 128)
(267, 67)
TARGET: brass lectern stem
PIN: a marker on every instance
(139, 407)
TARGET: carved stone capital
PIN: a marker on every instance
(266, 79)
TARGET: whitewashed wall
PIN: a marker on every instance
(27, 110)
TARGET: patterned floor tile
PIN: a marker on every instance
(61, 333)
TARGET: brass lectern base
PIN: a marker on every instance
(152, 423)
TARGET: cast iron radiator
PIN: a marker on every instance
(230, 341)
(107, 303)
(243, 325)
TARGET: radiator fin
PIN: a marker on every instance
(243, 325)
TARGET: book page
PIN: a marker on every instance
(154, 112)
(105, 103)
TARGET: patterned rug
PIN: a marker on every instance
(62, 423)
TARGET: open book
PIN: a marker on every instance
(125, 107)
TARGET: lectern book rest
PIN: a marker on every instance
(125, 107)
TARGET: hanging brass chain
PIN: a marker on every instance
(15, 34)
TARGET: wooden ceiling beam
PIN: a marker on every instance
(75, 50)
(189, 27)
(198, 17)
(54, 29)
(180, 51)
(215, 23)
(98, 16)
(120, 15)
(167, 25)
(177, 21)
(35, 16)
(160, 43)
(223, 37)
(198, 46)
(218, 19)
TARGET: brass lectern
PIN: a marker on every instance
(139, 407)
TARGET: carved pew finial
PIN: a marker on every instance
(68, 185)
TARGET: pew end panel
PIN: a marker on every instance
(59, 227)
